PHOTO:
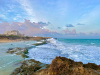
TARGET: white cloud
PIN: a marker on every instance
(90, 19)
(62, 7)
(27, 27)
(90, 16)
(31, 13)
(3, 16)
(26, 5)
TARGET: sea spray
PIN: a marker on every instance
(79, 52)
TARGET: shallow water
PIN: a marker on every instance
(86, 51)
(8, 62)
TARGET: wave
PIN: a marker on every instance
(47, 52)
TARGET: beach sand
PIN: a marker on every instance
(5, 40)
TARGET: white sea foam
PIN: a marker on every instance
(46, 53)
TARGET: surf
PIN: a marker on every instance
(78, 52)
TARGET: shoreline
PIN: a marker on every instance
(7, 39)
(59, 66)
(22, 52)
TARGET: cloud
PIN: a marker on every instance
(90, 17)
(27, 27)
(40, 29)
(80, 24)
(43, 24)
(2, 16)
(69, 32)
(30, 11)
(62, 7)
(69, 25)
(59, 27)
(94, 34)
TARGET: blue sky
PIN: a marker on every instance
(69, 18)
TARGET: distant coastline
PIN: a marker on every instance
(15, 38)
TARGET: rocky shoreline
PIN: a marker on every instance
(65, 66)
(30, 66)
(59, 65)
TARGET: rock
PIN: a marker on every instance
(59, 66)
(37, 44)
(65, 66)
(10, 48)
(19, 51)
(28, 67)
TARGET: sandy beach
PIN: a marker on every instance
(6, 40)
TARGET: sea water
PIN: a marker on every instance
(84, 50)
(8, 62)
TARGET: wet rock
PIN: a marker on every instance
(13, 50)
(28, 67)
(41, 43)
(10, 48)
(19, 51)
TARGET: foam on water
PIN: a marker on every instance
(46, 53)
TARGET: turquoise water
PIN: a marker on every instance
(84, 50)
(89, 42)
(8, 62)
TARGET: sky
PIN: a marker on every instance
(55, 18)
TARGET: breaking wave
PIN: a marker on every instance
(47, 52)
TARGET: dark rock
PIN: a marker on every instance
(28, 67)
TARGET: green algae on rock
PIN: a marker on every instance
(29, 67)
(19, 51)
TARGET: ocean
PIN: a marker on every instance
(84, 50)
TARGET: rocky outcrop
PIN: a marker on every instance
(40, 43)
(59, 66)
(65, 66)
(19, 51)
(29, 67)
